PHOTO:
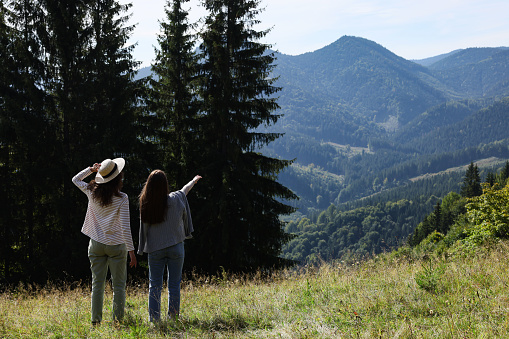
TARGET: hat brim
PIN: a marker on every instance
(120, 166)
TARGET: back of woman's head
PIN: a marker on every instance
(154, 198)
(103, 193)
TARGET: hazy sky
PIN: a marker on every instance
(412, 29)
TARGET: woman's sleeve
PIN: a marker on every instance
(78, 179)
(186, 218)
(187, 187)
(126, 224)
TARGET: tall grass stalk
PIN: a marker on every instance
(378, 298)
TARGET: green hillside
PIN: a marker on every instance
(460, 58)
(356, 93)
(368, 80)
(405, 294)
(482, 127)
(476, 73)
(446, 114)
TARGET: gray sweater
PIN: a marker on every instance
(176, 227)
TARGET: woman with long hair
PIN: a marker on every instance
(108, 226)
(165, 222)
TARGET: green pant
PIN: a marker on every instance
(101, 257)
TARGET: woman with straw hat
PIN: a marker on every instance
(108, 226)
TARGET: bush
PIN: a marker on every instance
(429, 277)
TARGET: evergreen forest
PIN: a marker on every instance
(340, 153)
(71, 97)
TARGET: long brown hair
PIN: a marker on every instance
(154, 198)
(104, 193)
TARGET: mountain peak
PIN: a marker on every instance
(348, 42)
(348, 51)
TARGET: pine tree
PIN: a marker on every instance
(437, 218)
(239, 226)
(173, 98)
(491, 178)
(95, 96)
(116, 108)
(28, 129)
(472, 182)
(7, 138)
(68, 40)
(504, 174)
(72, 100)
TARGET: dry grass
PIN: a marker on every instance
(391, 296)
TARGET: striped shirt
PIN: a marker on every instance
(176, 227)
(109, 225)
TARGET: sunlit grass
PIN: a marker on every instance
(385, 297)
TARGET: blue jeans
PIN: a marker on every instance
(101, 258)
(173, 258)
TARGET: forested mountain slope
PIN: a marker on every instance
(355, 93)
(464, 57)
(359, 77)
(483, 126)
(475, 73)
(446, 114)
(431, 60)
(354, 85)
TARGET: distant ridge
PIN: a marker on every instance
(466, 56)
(431, 60)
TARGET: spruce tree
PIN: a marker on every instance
(68, 39)
(6, 143)
(472, 182)
(491, 178)
(173, 97)
(238, 224)
(504, 174)
(116, 108)
(27, 128)
(437, 218)
(71, 101)
(95, 96)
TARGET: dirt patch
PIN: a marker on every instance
(348, 150)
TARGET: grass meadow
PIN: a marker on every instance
(394, 295)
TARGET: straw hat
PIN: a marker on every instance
(109, 170)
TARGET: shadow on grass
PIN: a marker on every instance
(227, 323)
